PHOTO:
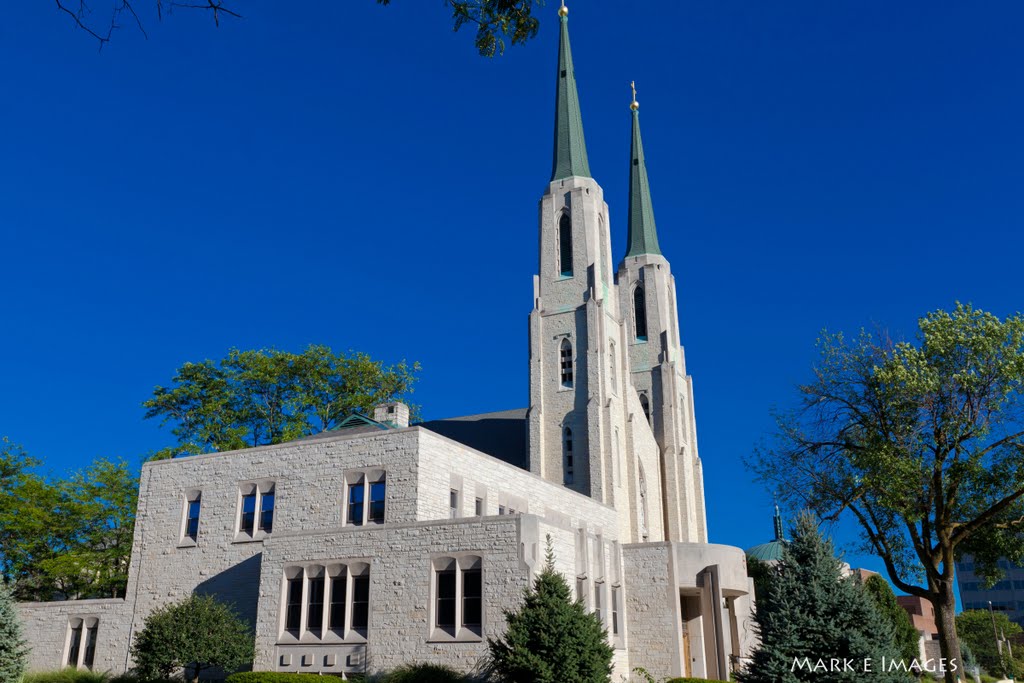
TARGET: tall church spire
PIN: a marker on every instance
(570, 155)
(643, 238)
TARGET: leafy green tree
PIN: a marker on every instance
(65, 539)
(13, 648)
(100, 504)
(254, 398)
(975, 628)
(921, 443)
(551, 638)
(194, 634)
(494, 20)
(905, 636)
(810, 611)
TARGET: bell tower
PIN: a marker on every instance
(577, 373)
(647, 298)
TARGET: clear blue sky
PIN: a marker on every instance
(357, 176)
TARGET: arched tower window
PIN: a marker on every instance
(611, 364)
(646, 406)
(565, 363)
(568, 462)
(640, 312)
(565, 245)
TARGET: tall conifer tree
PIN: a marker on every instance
(811, 614)
(13, 649)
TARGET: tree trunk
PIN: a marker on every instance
(945, 611)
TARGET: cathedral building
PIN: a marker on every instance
(384, 542)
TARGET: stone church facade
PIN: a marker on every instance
(381, 542)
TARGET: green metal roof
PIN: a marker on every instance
(767, 552)
(771, 551)
(570, 155)
(643, 238)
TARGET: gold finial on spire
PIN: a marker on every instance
(563, 11)
(634, 105)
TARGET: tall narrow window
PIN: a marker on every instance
(293, 607)
(570, 464)
(453, 503)
(337, 613)
(315, 611)
(90, 646)
(267, 511)
(611, 364)
(615, 610)
(446, 597)
(565, 362)
(377, 492)
(565, 245)
(192, 518)
(645, 405)
(248, 513)
(598, 590)
(643, 505)
(640, 313)
(472, 597)
(356, 495)
(75, 645)
(478, 508)
(360, 603)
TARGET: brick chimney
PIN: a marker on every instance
(395, 414)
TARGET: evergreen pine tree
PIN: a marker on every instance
(809, 610)
(13, 649)
(551, 638)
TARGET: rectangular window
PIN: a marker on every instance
(478, 507)
(501, 509)
(377, 492)
(581, 589)
(446, 599)
(248, 513)
(75, 645)
(315, 611)
(615, 611)
(598, 587)
(361, 603)
(293, 609)
(355, 504)
(337, 616)
(472, 597)
(267, 511)
(192, 519)
(90, 646)
(453, 503)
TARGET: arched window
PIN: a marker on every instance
(568, 462)
(611, 364)
(565, 363)
(646, 406)
(640, 313)
(565, 245)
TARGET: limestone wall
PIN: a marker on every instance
(47, 631)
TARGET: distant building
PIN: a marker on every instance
(922, 614)
(1007, 595)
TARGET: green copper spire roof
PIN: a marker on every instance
(570, 148)
(643, 238)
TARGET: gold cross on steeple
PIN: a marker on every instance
(634, 105)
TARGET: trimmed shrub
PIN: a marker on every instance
(425, 673)
(276, 677)
(69, 675)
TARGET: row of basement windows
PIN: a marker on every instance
(363, 502)
(331, 602)
(80, 648)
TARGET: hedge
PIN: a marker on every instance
(274, 677)
(692, 680)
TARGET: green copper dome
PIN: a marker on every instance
(772, 550)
